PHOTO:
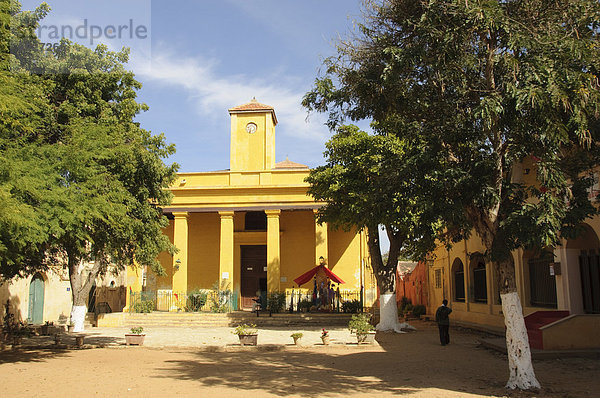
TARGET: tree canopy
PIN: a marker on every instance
(490, 84)
(373, 180)
(79, 178)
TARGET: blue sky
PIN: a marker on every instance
(199, 58)
(202, 57)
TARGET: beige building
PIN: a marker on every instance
(560, 292)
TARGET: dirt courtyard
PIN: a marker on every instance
(412, 364)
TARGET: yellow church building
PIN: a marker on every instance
(251, 228)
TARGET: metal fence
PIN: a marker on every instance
(300, 300)
(196, 301)
(296, 300)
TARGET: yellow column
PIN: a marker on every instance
(226, 249)
(320, 240)
(180, 259)
(273, 250)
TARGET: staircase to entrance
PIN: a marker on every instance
(534, 323)
(232, 319)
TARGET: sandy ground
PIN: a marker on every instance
(412, 364)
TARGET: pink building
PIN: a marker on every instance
(412, 283)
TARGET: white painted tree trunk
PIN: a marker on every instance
(520, 366)
(78, 317)
(388, 315)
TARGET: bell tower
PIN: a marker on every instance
(252, 137)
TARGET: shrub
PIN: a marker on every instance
(219, 301)
(351, 307)
(360, 324)
(144, 306)
(276, 302)
(304, 305)
(403, 304)
(419, 310)
(137, 330)
(245, 329)
(296, 335)
(196, 300)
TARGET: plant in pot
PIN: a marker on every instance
(359, 324)
(136, 337)
(325, 337)
(47, 328)
(304, 305)
(247, 334)
(297, 336)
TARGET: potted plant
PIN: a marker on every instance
(48, 328)
(325, 337)
(247, 334)
(365, 332)
(135, 337)
(297, 336)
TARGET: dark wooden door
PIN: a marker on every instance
(254, 273)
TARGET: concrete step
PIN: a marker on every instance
(166, 319)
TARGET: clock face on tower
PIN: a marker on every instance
(251, 128)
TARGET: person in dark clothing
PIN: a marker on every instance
(441, 317)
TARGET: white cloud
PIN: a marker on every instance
(212, 93)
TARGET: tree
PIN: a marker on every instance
(98, 182)
(370, 181)
(493, 82)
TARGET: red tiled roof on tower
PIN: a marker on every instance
(254, 106)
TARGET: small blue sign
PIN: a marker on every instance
(68, 289)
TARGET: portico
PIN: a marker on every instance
(252, 226)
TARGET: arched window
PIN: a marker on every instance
(255, 221)
(458, 274)
(479, 283)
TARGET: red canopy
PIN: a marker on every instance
(302, 279)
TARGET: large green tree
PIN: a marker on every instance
(371, 181)
(89, 180)
(492, 82)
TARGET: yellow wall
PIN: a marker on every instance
(344, 256)
(203, 252)
(575, 332)
(165, 282)
(252, 151)
(297, 245)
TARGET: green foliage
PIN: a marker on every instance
(297, 335)
(220, 300)
(245, 329)
(305, 305)
(351, 306)
(137, 330)
(481, 86)
(11, 327)
(419, 310)
(79, 178)
(196, 299)
(143, 306)
(275, 302)
(403, 305)
(360, 324)
(373, 180)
